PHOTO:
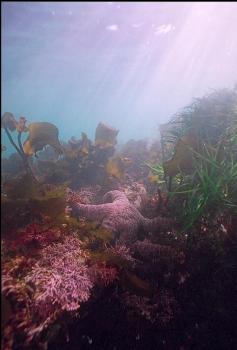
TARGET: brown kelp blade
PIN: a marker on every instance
(40, 135)
(105, 136)
(182, 161)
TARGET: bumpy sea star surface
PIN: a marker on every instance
(118, 215)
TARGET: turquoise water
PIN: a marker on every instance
(131, 65)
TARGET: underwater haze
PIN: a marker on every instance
(131, 65)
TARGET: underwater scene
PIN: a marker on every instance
(119, 176)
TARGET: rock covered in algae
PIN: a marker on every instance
(40, 135)
(105, 136)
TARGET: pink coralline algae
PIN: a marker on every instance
(122, 251)
(43, 289)
(88, 194)
(18, 293)
(32, 236)
(118, 215)
(61, 277)
(103, 275)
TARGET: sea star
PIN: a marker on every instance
(118, 215)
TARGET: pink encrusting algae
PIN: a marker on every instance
(43, 289)
(61, 277)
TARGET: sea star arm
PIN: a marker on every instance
(91, 211)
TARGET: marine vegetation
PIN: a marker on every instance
(105, 136)
(132, 246)
(10, 124)
(83, 161)
(40, 135)
(204, 161)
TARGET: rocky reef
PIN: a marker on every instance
(130, 247)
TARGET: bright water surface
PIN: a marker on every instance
(131, 65)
